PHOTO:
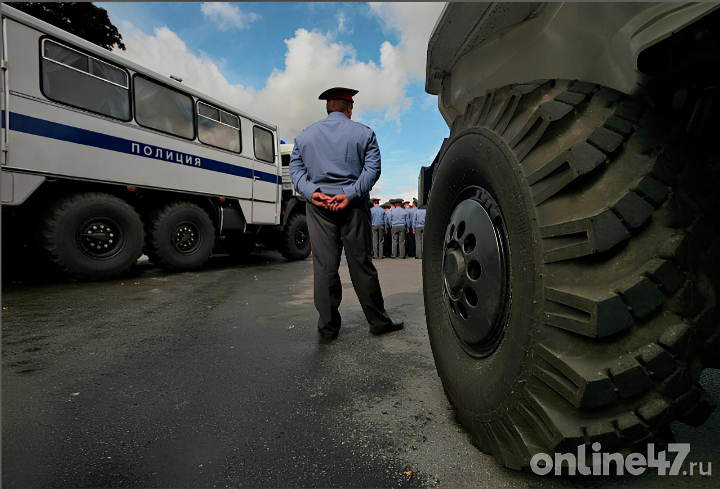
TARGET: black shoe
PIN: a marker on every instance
(325, 332)
(394, 326)
(328, 336)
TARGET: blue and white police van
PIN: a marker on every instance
(104, 160)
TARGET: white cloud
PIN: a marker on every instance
(343, 24)
(227, 15)
(414, 23)
(314, 61)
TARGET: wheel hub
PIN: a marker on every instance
(475, 272)
(300, 238)
(186, 237)
(99, 237)
(455, 269)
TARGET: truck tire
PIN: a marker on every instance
(569, 277)
(180, 236)
(295, 241)
(91, 235)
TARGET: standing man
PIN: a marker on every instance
(412, 209)
(387, 251)
(419, 226)
(334, 164)
(399, 222)
(378, 228)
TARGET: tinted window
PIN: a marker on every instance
(218, 128)
(76, 79)
(264, 147)
(162, 108)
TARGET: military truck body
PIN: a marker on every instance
(570, 261)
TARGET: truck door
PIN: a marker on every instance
(266, 188)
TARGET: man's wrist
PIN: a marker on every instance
(350, 193)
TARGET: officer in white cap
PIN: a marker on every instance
(334, 164)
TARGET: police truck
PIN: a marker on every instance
(104, 160)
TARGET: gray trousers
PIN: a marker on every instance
(329, 232)
(419, 241)
(398, 241)
(378, 241)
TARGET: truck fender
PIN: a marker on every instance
(293, 205)
(17, 187)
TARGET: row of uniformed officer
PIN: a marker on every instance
(334, 164)
(404, 240)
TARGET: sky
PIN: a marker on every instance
(273, 60)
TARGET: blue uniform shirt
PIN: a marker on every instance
(336, 155)
(378, 215)
(387, 221)
(411, 217)
(398, 217)
(419, 218)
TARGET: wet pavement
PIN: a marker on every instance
(216, 378)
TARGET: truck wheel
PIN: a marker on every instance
(180, 236)
(91, 235)
(295, 242)
(565, 296)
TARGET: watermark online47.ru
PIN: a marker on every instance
(598, 463)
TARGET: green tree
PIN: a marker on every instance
(85, 20)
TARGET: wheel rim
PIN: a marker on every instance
(301, 238)
(100, 237)
(476, 272)
(186, 238)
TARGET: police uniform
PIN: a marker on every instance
(387, 248)
(377, 215)
(419, 226)
(339, 156)
(399, 225)
(411, 235)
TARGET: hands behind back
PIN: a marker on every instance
(321, 200)
(337, 203)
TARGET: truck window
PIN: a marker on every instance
(163, 108)
(218, 128)
(77, 79)
(264, 147)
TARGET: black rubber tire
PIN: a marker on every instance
(289, 248)
(58, 239)
(162, 223)
(611, 315)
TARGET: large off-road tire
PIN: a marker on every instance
(568, 272)
(180, 236)
(295, 241)
(91, 235)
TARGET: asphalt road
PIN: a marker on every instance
(217, 379)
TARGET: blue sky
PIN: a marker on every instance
(274, 59)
